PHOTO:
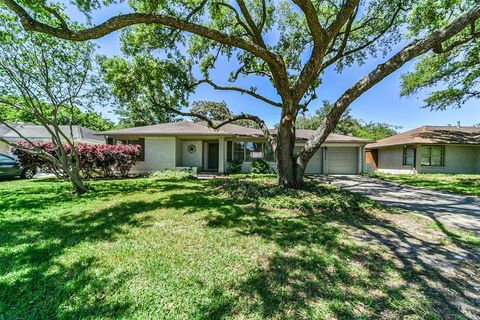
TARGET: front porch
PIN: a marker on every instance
(207, 155)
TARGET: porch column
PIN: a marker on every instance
(221, 155)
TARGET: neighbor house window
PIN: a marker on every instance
(408, 156)
(433, 156)
(250, 151)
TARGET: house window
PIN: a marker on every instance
(238, 151)
(229, 151)
(408, 156)
(268, 154)
(250, 151)
(433, 156)
(253, 151)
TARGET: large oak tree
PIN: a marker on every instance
(290, 43)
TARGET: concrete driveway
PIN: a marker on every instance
(449, 209)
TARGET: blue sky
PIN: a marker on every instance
(382, 103)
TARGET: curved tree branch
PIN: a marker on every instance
(321, 38)
(238, 89)
(275, 62)
(216, 125)
(125, 20)
(256, 31)
(413, 50)
(341, 51)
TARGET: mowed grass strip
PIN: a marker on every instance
(237, 247)
(467, 184)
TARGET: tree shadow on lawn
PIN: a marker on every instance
(37, 285)
(43, 194)
(317, 272)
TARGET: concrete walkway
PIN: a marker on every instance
(447, 208)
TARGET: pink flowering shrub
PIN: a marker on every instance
(96, 161)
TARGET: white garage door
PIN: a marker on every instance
(342, 160)
(314, 166)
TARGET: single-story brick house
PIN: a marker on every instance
(40, 133)
(193, 145)
(428, 149)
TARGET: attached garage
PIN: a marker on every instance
(314, 166)
(342, 160)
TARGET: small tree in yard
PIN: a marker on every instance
(288, 43)
(48, 80)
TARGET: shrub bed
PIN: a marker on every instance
(96, 161)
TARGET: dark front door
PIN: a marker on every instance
(213, 156)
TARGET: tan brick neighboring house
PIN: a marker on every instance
(428, 149)
(39, 133)
(189, 145)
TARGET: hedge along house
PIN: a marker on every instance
(36, 133)
(428, 149)
(189, 145)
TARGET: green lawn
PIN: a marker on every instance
(468, 184)
(227, 248)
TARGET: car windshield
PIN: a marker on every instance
(5, 158)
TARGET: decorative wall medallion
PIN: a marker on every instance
(191, 148)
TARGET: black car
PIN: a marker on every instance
(10, 167)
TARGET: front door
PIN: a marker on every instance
(213, 156)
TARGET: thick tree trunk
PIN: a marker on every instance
(291, 167)
(286, 162)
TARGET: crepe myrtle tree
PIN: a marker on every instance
(47, 80)
(290, 43)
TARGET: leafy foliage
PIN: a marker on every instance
(89, 119)
(454, 77)
(234, 167)
(57, 73)
(260, 166)
(33, 160)
(217, 111)
(49, 80)
(96, 161)
(349, 125)
(144, 82)
(452, 73)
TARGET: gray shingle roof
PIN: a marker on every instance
(36, 132)
(200, 128)
(431, 135)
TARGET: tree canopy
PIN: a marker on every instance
(141, 84)
(451, 71)
(48, 81)
(349, 125)
(89, 119)
(290, 44)
(217, 111)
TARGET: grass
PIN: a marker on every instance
(225, 248)
(467, 184)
